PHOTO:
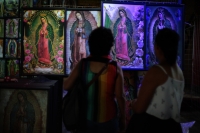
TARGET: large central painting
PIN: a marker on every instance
(126, 20)
(43, 41)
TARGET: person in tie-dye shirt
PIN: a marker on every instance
(105, 97)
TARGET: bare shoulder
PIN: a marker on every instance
(156, 75)
(155, 70)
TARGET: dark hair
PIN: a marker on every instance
(122, 10)
(100, 41)
(167, 40)
(81, 13)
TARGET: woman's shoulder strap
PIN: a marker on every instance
(162, 69)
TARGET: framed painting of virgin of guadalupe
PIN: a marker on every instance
(12, 28)
(159, 16)
(126, 20)
(12, 68)
(43, 41)
(11, 8)
(80, 23)
(28, 107)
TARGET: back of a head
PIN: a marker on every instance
(100, 41)
(168, 40)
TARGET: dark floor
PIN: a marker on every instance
(190, 111)
(190, 117)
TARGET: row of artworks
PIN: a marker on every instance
(54, 40)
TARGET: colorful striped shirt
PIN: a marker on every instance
(101, 104)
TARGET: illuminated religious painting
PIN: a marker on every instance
(12, 67)
(80, 23)
(12, 27)
(1, 27)
(130, 88)
(127, 24)
(43, 42)
(11, 8)
(23, 111)
(1, 48)
(2, 68)
(159, 17)
(11, 48)
(1, 8)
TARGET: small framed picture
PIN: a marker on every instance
(12, 67)
(12, 28)
(11, 8)
(11, 48)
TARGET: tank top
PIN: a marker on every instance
(167, 99)
(101, 105)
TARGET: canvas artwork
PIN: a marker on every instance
(79, 25)
(1, 27)
(2, 68)
(127, 24)
(1, 48)
(12, 27)
(159, 17)
(12, 67)
(11, 48)
(11, 8)
(23, 111)
(43, 42)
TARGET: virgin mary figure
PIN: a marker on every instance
(79, 34)
(44, 40)
(123, 31)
